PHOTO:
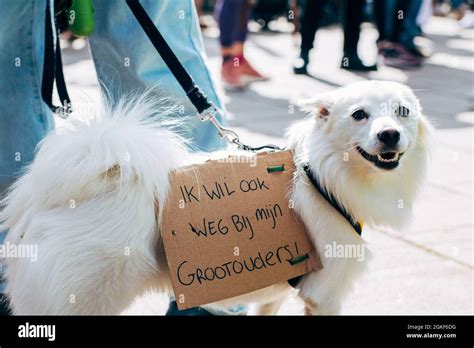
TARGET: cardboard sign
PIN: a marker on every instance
(229, 228)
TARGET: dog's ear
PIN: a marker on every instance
(320, 106)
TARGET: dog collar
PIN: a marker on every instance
(356, 225)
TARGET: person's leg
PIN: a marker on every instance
(240, 27)
(352, 19)
(409, 27)
(228, 20)
(233, 17)
(247, 71)
(399, 16)
(25, 119)
(459, 8)
(457, 3)
(384, 12)
(395, 53)
(126, 60)
(380, 19)
(231, 38)
(388, 12)
(310, 20)
(353, 15)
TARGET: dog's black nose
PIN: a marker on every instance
(389, 136)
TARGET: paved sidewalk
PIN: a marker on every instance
(427, 269)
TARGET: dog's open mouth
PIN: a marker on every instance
(386, 160)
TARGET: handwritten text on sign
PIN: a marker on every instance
(229, 229)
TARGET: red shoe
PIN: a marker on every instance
(249, 74)
(232, 76)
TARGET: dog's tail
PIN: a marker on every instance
(134, 141)
(91, 192)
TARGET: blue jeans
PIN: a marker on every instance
(410, 28)
(124, 58)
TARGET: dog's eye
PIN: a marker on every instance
(403, 111)
(359, 115)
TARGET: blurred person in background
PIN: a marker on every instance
(462, 11)
(397, 26)
(233, 16)
(265, 11)
(459, 8)
(353, 14)
(456, 9)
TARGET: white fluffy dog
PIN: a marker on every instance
(89, 197)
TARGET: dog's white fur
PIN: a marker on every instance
(89, 198)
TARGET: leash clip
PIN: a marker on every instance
(231, 136)
(225, 133)
(63, 111)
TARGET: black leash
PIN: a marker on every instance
(332, 200)
(53, 70)
(207, 111)
(294, 282)
(195, 95)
